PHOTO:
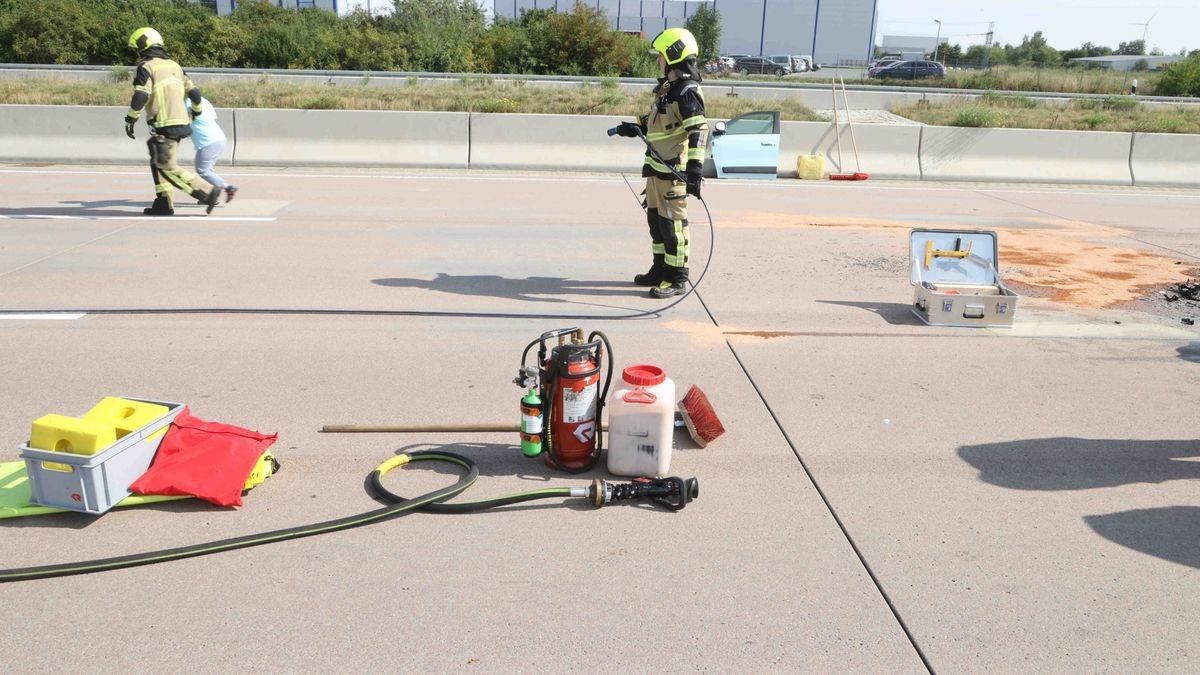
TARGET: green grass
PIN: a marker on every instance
(975, 116)
(1113, 113)
(1060, 80)
(467, 94)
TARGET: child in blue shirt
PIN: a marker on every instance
(209, 142)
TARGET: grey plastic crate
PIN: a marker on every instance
(95, 483)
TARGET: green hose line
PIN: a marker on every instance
(430, 501)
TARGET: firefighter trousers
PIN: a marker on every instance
(666, 214)
(167, 173)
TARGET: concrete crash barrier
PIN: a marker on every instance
(1025, 155)
(59, 134)
(352, 138)
(561, 142)
(1166, 160)
(884, 150)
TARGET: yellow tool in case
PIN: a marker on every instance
(956, 281)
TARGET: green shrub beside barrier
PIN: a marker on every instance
(421, 35)
(975, 116)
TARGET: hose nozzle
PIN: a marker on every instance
(673, 493)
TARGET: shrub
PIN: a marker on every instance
(1181, 78)
(505, 48)
(428, 35)
(440, 34)
(975, 116)
(1120, 103)
(1097, 119)
(321, 103)
(496, 105)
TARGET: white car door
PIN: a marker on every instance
(748, 147)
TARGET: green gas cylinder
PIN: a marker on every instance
(531, 424)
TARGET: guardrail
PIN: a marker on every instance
(94, 134)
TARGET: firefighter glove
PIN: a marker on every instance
(628, 129)
(129, 126)
(693, 184)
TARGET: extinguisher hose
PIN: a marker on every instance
(671, 493)
(398, 506)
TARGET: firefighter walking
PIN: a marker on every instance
(677, 130)
(163, 90)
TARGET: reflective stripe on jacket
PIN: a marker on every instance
(676, 128)
(167, 86)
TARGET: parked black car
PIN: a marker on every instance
(756, 64)
(909, 70)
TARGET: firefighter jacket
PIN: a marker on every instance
(160, 87)
(676, 129)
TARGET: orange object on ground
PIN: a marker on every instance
(700, 418)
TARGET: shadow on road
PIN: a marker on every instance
(1081, 463)
(1169, 532)
(895, 313)
(84, 209)
(1056, 464)
(531, 288)
(1190, 352)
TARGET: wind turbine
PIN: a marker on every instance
(1145, 30)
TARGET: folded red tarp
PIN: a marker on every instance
(209, 460)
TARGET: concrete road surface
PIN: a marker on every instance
(889, 496)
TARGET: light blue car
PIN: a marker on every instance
(747, 146)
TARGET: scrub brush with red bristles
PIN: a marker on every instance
(700, 418)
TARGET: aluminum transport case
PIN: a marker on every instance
(955, 279)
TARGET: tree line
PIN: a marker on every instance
(419, 35)
(1035, 51)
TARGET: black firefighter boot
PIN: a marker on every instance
(674, 283)
(160, 207)
(655, 276)
(209, 199)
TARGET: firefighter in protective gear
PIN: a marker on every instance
(678, 131)
(163, 90)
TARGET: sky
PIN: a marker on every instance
(1174, 24)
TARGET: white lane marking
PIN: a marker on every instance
(42, 216)
(1117, 191)
(43, 317)
(549, 178)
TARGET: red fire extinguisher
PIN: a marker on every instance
(568, 383)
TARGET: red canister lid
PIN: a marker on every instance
(643, 375)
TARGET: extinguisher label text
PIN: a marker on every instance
(579, 406)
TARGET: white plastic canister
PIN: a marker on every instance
(641, 423)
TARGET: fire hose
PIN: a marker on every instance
(671, 493)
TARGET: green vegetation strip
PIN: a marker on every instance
(468, 94)
(1013, 111)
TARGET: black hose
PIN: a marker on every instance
(299, 311)
(459, 507)
(430, 501)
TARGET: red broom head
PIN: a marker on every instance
(700, 418)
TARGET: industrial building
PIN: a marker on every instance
(832, 31)
(911, 46)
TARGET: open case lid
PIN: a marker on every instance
(953, 256)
